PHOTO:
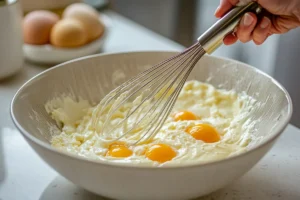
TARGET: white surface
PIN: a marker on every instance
(23, 175)
(54, 55)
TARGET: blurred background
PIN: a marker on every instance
(183, 21)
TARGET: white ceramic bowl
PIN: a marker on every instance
(49, 54)
(94, 76)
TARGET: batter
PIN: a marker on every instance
(206, 124)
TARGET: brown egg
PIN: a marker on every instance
(37, 26)
(68, 33)
(89, 18)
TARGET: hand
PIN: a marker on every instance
(284, 15)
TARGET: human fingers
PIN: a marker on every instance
(261, 32)
(230, 39)
(224, 7)
(246, 27)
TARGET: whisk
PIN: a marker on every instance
(150, 96)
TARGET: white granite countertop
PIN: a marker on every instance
(24, 176)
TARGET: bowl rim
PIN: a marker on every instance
(47, 146)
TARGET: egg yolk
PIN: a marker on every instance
(204, 132)
(184, 115)
(118, 150)
(160, 153)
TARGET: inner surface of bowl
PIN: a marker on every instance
(93, 77)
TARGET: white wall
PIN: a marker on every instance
(157, 15)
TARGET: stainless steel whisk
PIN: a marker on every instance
(155, 91)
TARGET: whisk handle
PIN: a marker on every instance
(213, 37)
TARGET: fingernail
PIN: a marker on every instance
(265, 22)
(247, 20)
(217, 10)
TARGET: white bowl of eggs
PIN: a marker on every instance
(51, 39)
(225, 120)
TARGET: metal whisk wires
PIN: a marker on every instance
(138, 108)
(149, 98)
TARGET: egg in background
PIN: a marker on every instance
(68, 33)
(89, 18)
(37, 26)
(62, 38)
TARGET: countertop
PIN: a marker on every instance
(24, 176)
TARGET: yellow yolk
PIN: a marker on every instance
(204, 132)
(160, 153)
(118, 150)
(184, 115)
